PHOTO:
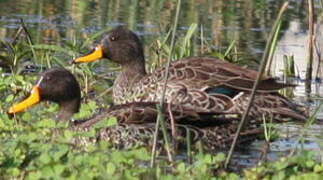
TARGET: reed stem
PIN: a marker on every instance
(189, 145)
(309, 67)
(259, 76)
(162, 100)
(161, 110)
(165, 135)
(29, 39)
(272, 49)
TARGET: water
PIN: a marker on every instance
(248, 22)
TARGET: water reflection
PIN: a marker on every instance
(247, 22)
(294, 43)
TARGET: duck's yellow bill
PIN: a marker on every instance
(33, 98)
(97, 53)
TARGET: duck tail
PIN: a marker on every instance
(290, 109)
(271, 104)
(284, 112)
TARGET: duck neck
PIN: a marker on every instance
(134, 68)
(67, 109)
(131, 74)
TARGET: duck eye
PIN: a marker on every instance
(113, 38)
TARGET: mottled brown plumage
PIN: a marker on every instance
(133, 135)
(135, 125)
(204, 84)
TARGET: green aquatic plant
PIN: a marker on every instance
(38, 147)
(13, 56)
(302, 166)
(183, 47)
(289, 66)
(31, 148)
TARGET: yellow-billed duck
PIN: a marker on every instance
(135, 120)
(201, 83)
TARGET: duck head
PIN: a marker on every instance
(120, 45)
(56, 85)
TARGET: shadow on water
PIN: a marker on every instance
(222, 21)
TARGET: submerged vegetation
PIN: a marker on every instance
(35, 146)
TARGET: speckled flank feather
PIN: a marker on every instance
(133, 135)
(136, 127)
(191, 82)
(146, 112)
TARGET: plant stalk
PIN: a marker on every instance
(259, 76)
(161, 110)
(309, 67)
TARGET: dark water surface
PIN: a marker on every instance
(223, 21)
(248, 22)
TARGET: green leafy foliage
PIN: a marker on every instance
(302, 166)
(35, 146)
(43, 150)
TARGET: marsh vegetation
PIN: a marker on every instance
(37, 35)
